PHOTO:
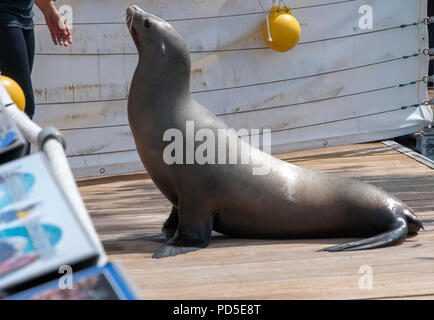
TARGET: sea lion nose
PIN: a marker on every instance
(130, 11)
(137, 8)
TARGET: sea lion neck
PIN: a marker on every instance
(163, 66)
(158, 86)
(158, 82)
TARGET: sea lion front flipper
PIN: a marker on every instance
(193, 232)
(171, 224)
(172, 250)
(184, 242)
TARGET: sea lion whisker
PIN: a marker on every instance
(130, 21)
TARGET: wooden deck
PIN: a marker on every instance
(128, 212)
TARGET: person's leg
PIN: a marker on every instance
(29, 36)
(15, 61)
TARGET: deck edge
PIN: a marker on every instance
(409, 153)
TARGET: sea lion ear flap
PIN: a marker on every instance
(163, 49)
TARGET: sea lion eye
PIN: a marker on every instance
(147, 24)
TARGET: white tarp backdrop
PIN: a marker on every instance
(340, 85)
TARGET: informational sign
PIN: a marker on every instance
(39, 232)
(95, 283)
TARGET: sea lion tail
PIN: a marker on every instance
(396, 235)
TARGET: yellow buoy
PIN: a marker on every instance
(15, 91)
(285, 30)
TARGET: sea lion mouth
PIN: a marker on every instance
(131, 12)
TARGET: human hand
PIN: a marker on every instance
(58, 26)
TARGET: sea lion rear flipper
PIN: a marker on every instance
(395, 236)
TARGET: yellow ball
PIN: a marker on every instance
(284, 29)
(15, 91)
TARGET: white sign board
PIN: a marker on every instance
(39, 232)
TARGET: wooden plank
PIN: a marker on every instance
(89, 78)
(411, 153)
(415, 297)
(323, 112)
(103, 140)
(106, 77)
(83, 115)
(128, 161)
(119, 138)
(366, 160)
(408, 196)
(128, 212)
(114, 11)
(352, 150)
(352, 171)
(267, 65)
(322, 89)
(217, 33)
(105, 164)
(378, 127)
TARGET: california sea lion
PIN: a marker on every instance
(289, 202)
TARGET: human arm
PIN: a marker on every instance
(56, 23)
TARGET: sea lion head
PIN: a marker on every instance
(158, 44)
